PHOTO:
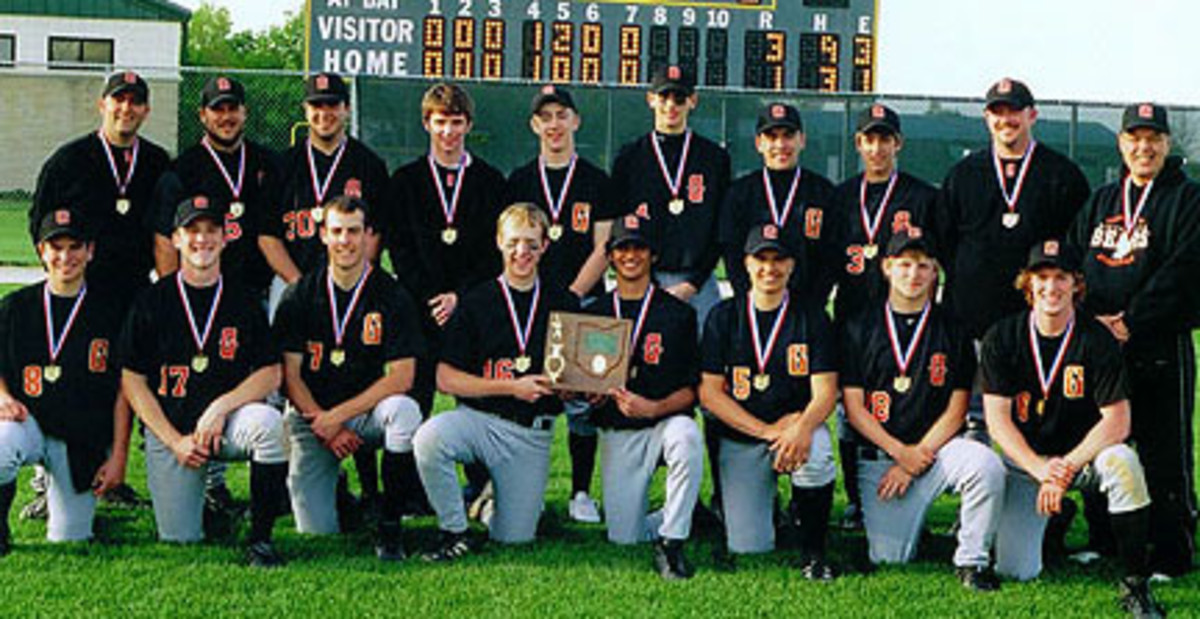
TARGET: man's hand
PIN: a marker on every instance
(344, 443)
(325, 426)
(530, 388)
(631, 404)
(11, 409)
(209, 429)
(190, 452)
(110, 475)
(914, 459)
(792, 446)
(683, 291)
(894, 484)
(1049, 498)
(441, 307)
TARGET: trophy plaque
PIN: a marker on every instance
(585, 353)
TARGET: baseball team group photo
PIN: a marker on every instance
(557, 356)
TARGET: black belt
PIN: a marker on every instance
(535, 422)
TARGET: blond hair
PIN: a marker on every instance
(524, 214)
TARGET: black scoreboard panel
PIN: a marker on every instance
(826, 45)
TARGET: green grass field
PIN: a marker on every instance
(570, 571)
(15, 248)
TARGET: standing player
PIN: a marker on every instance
(1057, 405)
(1139, 238)
(906, 378)
(506, 410)
(350, 339)
(769, 376)
(58, 390)
(651, 418)
(205, 401)
(576, 196)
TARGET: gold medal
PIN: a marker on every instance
(676, 206)
(523, 363)
(337, 357)
(762, 382)
(902, 384)
(1124, 246)
(52, 372)
(123, 205)
(1010, 220)
(1041, 408)
(555, 232)
(236, 209)
(449, 236)
(318, 214)
(870, 251)
(200, 363)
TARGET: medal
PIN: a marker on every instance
(200, 361)
(339, 320)
(555, 204)
(123, 204)
(1124, 245)
(320, 188)
(903, 382)
(1012, 217)
(450, 206)
(1041, 408)
(236, 208)
(318, 214)
(762, 355)
(675, 206)
(523, 362)
(54, 343)
(780, 218)
(870, 225)
(1129, 219)
(1046, 381)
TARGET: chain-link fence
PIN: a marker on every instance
(52, 107)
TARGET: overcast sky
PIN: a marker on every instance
(1096, 50)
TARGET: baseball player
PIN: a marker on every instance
(58, 388)
(651, 419)
(576, 196)
(350, 339)
(769, 376)
(1138, 238)
(1057, 404)
(906, 377)
(506, 410)
(197, 362)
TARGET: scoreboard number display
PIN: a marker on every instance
(823, 45)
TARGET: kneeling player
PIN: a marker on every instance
(58, 392)
(651, 419)
(906, 377)
(769, 376)
(1056, 402)
(506, 411)
(208, 351)
(350, 341)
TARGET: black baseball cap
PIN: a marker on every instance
(629, 230)
(1052, 253)
(195, 207)
(672, 78)
(127, 81)
(778, 115)
(878, 117)
(63, 222)
(551, 94)
(910, 238)
(1146, 115)
(1010, 92)
(221, 89)
(326, 88)
(764, 237)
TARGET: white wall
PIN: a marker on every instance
(144, 45)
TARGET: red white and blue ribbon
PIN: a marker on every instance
(449, 207)
(555, 204)
(1011, 199)
(122, 185)
(642, 312)
(320, 188)
(673, 183)
(197, 336)
(234, 187)
(522, 335)
(904, 358)
(55, 343)
(339, 322)
(780, 218)
(762, 354)
(871, 224)
(1047, 380)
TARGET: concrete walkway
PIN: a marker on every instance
(19, 275)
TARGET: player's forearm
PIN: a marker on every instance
(147, 408)
(166, 257)
(254, 388)
(863, 422)
(824, 397)
(998, 414)
(592, 271)
(278, 258)
(296, 389)
(951, 421)
(455, 382)
(1113, 428)
(397, 381)
(678, 400)
(716, 400)
(122, 426)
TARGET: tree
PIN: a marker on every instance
(208, 38)
(213, 43)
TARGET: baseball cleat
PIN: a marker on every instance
(452, 547)
(390, 545)
(817, 570)
(124, 497)
(669, 560)
(37, 509)
(264, 555)
(852, 518)
(1138, 601)
(583, 508)
(978, 578)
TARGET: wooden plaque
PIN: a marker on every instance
(585, 353)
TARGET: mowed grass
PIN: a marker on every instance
(15, 246)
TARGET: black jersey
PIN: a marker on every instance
(665, 358)
(481, 340)
(195, 172)
(686, 241)
(588, 200)
(803, 228)
(424, 261)
(982, 255)
(79, 176)
(158, 343)
(906, 202)
(358, 171)
(1091, 375)
(1151, 276)
(942, 362)
(73, 397)
(381, 328)
(805, 346)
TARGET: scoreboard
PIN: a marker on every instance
(824, 45)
